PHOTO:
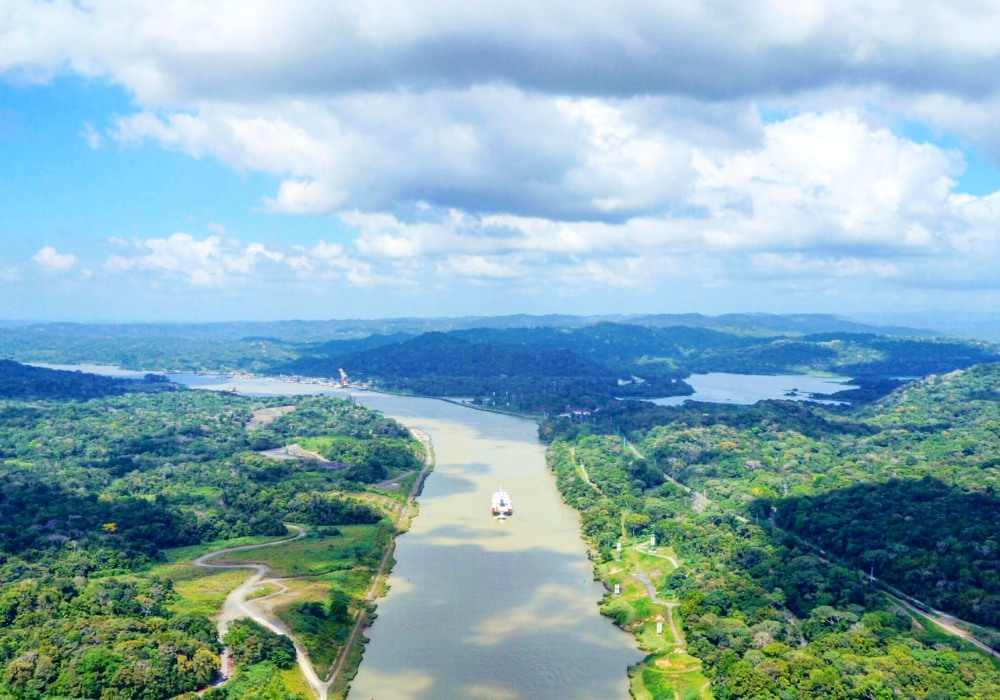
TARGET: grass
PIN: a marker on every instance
(201, 590)
(205, 592)
(186, 554)
(262, 591)
(668, 672)
(313, 555)
(324, 442)
(295, 683)
(668, 681)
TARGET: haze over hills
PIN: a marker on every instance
(318, 331)
(541, 369)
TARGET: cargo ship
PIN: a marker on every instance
(502, 506)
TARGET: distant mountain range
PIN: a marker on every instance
(758, 324)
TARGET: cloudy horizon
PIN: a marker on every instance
(224, 160)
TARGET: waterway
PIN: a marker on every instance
(484, 609)
(479, 608)
(720, 387)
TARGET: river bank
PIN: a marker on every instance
(242, 602)
(477, 608)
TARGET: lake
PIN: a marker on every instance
(717, 387)
(720, 387)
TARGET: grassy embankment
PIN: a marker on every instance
(322, 582)
(310, 570)
(667, 669)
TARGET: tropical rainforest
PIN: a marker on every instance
(521, 364)
(98, 494)
(782, 550)
(810, 539)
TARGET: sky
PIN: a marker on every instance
(223, 160)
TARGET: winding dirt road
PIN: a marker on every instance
(237, 605)
(372, 593)
(651, 592)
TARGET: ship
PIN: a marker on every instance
(502, 505)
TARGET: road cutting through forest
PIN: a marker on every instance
(237, 606)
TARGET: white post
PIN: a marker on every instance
(659, 628)
(618, 589)
(619, 547)
(652, 540)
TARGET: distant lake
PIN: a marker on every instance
(717, 387)
(720, 387)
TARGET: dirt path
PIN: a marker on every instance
(644, 549)
(651, 592)
(948, 623)
(582, 470)
(266, 416)
(391, 484)
(295, 451)
(236, 604)
(700, 500)
(371, 594)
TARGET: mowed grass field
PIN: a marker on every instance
(314, 555)
(669, 672)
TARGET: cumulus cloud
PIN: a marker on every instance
(208, 262)
(715, 50)
(51, 260)
(304, 197)
(616, 144)
(92, 136)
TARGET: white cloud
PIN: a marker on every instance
(256, 49)
(53, 261)
(607, 144)
(92, 136)
(304, 197)
(208, 262)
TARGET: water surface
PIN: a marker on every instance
(720, 387)
(479, 608)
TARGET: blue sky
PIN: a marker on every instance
(160, 163)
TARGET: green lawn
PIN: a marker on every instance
(313, 555)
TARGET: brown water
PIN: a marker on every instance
(480, 608)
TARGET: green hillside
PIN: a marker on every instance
(800, 504)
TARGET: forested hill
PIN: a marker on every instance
(906, 486)
(29, 383)
(798, 507)
(670, 352)
(534, 379)
(680, 350)
(641, 349)
(255, 347)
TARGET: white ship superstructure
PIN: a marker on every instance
(502, 505)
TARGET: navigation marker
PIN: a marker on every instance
(618, 589)
(619, 547)
(659, 629)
